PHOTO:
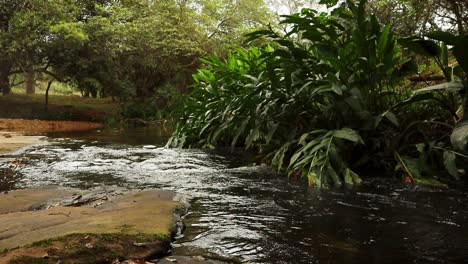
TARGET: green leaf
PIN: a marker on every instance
(421, 46)
(453, 86)
(446, 37)
(411, 167)
(417, 97)
(460, 51)
(392, 118)
(431, 182)
(450, 163)
(356, 179)
(279, 156)
(271, 132)
(294, 158)
(347, 177)
(239, 131)
(329, 3)
(459, 136)
(348, 134)
(338, 89)
(383, 41)
(332, 174)
(314, 179)
(444, 55)
(253, 135)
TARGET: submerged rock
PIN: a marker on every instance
(189, 260)
(72, 226)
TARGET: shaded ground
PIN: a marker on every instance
(61, 107)
(48, 225)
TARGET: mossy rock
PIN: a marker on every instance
(92, 248)
(131, 225)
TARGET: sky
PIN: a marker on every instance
(286, 7)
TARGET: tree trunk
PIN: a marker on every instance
(30, 88)
(46, 106)
(454, 6)
(5, 69)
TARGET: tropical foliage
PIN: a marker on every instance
(329, 98)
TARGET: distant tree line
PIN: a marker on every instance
(118, 48)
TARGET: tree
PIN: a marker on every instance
(410, 17)
(25, 30)
(127, 48)
(225, 22)
(287, 7)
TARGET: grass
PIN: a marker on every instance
(61, 107)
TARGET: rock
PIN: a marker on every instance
(136, 122)
(189, 260)
(11, 141)
(135, 225)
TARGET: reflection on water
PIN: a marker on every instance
(252, 213)
(125, 135)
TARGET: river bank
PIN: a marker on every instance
(18, 133)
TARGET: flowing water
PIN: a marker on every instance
(253, 214)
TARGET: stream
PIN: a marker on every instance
(254, 214)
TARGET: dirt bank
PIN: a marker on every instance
(18, 133)
(36, 127)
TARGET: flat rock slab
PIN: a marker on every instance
(130, 214)
(29, 199)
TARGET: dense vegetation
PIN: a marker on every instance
(330, 97)
(139, 52)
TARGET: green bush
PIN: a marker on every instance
(328, 89)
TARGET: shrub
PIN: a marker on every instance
(328, 88)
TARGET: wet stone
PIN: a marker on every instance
(189, 260)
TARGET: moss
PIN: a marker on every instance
(31, 260)
(124, 229)
(43, 243)
(89, 248)
(113, 237)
